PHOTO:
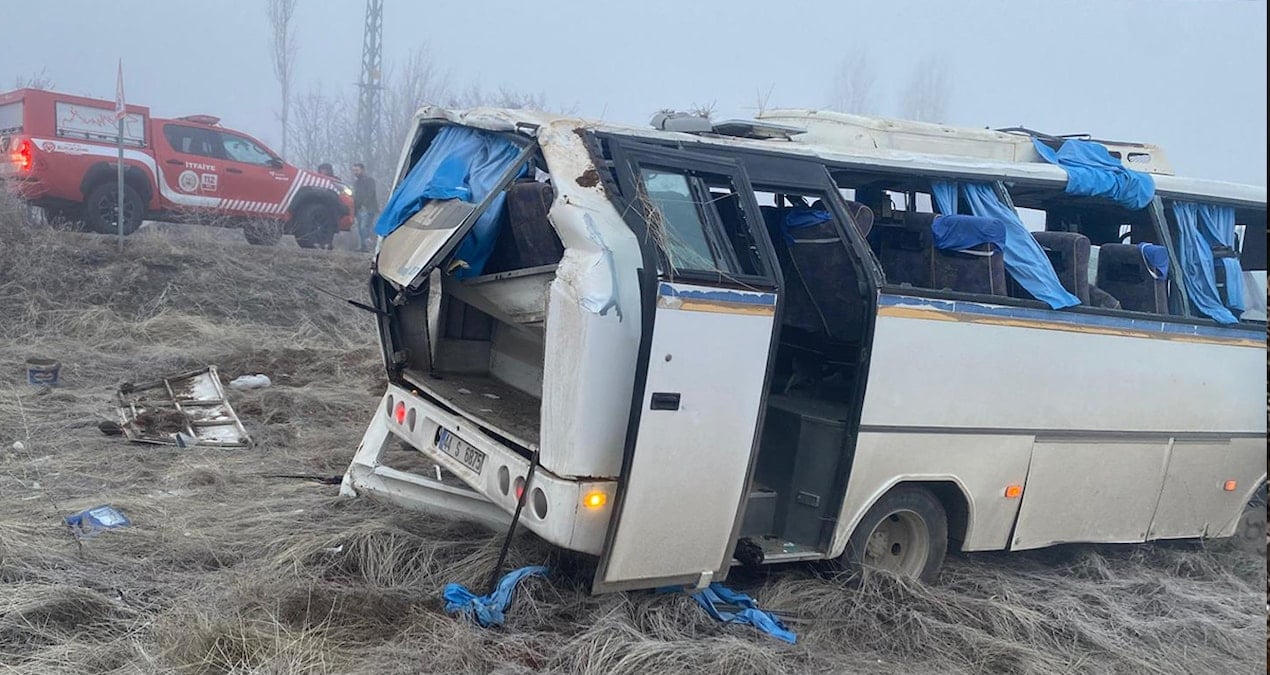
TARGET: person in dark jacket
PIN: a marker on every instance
(365, 206)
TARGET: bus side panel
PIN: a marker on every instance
(1090, 490)
(948, 376)
(1196, 502)
(981, 465)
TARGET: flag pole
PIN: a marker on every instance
(119, 180)
(121, 114)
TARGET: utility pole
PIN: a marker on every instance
(369, 95)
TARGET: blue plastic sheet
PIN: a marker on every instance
(958, 231)
(1217, 225)
(1157, 259)
(1093, 172)
(798, 218)
(488, 610)
(750, 614)
(464, 164)
(1025, 260)
(1196, 260)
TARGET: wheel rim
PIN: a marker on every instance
(900, 544)
(106, 210)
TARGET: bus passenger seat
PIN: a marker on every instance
(1069, 254)
(904, 252)
(820, 257)
(1124, 274)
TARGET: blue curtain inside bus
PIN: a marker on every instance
(1093, 172)
(1025, 260)
(1217, 224)
(1196, 259)
(463, 164)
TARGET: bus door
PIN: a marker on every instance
(709, 292)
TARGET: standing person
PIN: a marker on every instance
(326, 169)
(365, 206)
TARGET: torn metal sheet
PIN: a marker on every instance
(182, 410)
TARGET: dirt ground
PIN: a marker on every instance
(227, 569)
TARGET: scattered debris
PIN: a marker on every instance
(183, 410)
(42, 372)
(324, 480)
(92, 521)
(110, 428)
(487, 610)
(19, 446)
(257, 381)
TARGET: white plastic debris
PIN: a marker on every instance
(257, 381)
(19, 446)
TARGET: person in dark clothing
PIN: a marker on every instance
(365, 206)
(326, 169)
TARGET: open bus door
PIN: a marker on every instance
(709, 288)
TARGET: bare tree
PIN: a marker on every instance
(322, 129)
(926, 96)
(282, 41)
(852, 90)
(39, 80)
(410, 84)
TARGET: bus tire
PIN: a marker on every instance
(262, 232)
(314, 225)
(99, 208)
(904, 533)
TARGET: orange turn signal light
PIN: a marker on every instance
(594, 500)
(1013, 491)
(1230, 486)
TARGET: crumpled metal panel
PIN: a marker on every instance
(182, 410)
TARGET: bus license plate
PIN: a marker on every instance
(461, 450)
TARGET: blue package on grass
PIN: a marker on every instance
(91, 521)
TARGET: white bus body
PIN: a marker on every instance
(672, 415)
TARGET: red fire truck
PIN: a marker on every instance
(60, 152)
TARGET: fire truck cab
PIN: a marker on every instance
(60, 152)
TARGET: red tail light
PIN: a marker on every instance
(22, 156)
(401, 413)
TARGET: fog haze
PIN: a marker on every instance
(1189, 76)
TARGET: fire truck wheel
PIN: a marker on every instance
(262, 232)
(315, 225)
(905, 533)
(99, 209)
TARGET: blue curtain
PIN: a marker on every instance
(1025, 260)
(1217, 224)
(463, 164)
(1196, 258)
(1093, 172)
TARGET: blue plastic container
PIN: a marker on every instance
(42, 371)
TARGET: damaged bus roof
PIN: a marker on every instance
(849, 141)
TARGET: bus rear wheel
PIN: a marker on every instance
(905, 533)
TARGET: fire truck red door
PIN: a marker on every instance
(192, 168)
(256, 181)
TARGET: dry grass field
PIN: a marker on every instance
(226, 569)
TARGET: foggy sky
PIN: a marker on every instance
(1189, 76)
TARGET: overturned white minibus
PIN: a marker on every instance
(813, 336)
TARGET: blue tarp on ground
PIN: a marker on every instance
(1025, 260)
(463, 164)
(488, 610)
(1093, 172)
(1195, 257)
